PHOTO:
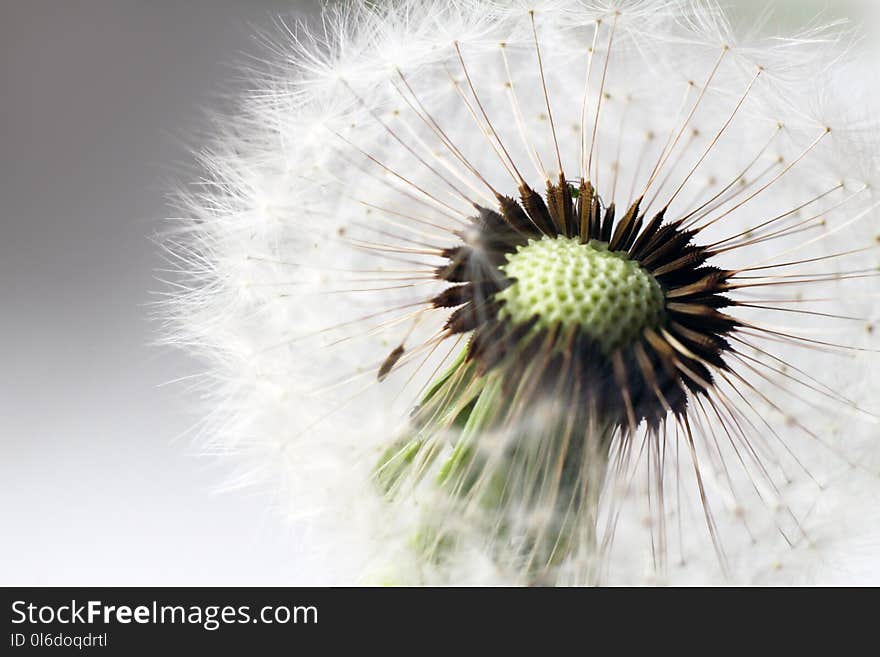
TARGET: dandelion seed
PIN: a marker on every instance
(553, 293)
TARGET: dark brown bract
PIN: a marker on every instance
(641, 381)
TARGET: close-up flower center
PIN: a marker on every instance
(506, 310)
(562, 281)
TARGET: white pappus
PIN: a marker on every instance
(561, 292)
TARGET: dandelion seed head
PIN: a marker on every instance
(382, 267)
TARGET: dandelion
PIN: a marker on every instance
(560, 292)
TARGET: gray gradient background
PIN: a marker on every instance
(97, 102)
(98, 99)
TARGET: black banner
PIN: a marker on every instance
(245, 620)
(257, 621)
